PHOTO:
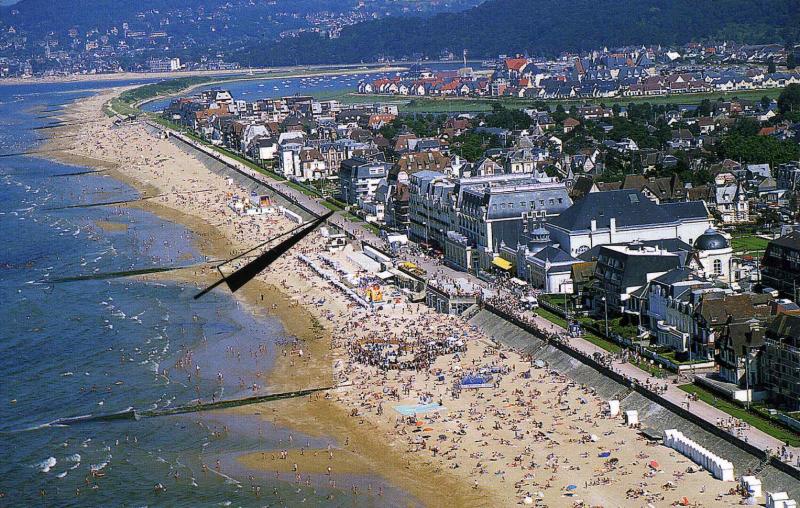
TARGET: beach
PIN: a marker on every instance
(530, 433)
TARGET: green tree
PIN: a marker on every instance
(789, 99)
(771, 66)
(791, 60)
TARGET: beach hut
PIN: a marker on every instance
(751, 485)
(779, 500)
(613, 407)
(631, 418)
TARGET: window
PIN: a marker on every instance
(717, 266)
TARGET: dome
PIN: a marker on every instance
(711, 240)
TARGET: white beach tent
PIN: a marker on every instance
(780, 500)
(752, 485)
(613, 407)
(632, 417)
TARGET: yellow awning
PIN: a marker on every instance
(501, 263)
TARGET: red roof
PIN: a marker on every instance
(516, 64)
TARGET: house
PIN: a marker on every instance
(717, 310)
(659, 190)
(570, 124)
(670, 307)
(730, 200)
(740, 343)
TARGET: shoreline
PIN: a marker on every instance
(314, 416)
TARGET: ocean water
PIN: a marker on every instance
(102, 346)
(319, 86)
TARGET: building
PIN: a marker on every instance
(714, 256)
(623, 269)
(780, 267)
(430, 209)
(779, 364)
(359, 179)
(717, 310)
(624, 216)
(164, 64)
(490, 213)
(670, 307)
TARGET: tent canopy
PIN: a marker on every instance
(501, 263)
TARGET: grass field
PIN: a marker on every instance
(759, 422)
(456, 104)
(608, 345)
(748, 243)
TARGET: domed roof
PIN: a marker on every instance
(711, 240)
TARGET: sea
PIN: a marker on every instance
(318, 86)
(97, 347)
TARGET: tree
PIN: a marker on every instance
(791, 60)
(789, 99)
(765, 102)
(771, 66)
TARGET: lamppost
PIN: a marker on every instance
(605, 304)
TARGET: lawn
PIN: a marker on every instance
(748, 243)
(608, 345)
(761, 423)
(412, 104)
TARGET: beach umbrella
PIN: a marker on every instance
(604, 454)
(571, 487)
(528, 500)
(684, 501)
(653, 464)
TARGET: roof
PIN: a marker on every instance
(718, 309)
(636, 266)
(630, 209)
(554, 255)
(711, 240)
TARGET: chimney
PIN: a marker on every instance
(594, 225)
(613, 224)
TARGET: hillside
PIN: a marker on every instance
(545, 27)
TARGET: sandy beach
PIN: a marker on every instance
(124, 76)
(531, 433)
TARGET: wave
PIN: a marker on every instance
(45, 465)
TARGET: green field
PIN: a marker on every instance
(748, 244)
(759, 422)
(454, 104)
(608, 345)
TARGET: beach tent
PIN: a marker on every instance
(751, 485)
(777, 499)
(632, 417)
(613, 407)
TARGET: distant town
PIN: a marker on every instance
(180, 38)
(623, 72)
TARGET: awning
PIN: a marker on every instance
(385, 275)
(501, 263)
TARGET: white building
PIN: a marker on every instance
(625, 216)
